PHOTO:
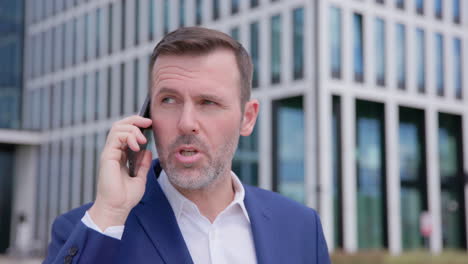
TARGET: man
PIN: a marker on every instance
(188, 206)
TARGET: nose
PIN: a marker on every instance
(188, 123)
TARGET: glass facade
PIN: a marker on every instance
(151, 20)
(371, 191)
(440, 65)
(413, 194)
(235, 33)
(7, 154)
(456, 11)
(401, 56)
(298, 43)
(335, 42)
(458, 69)
(400, 4)
(235, 6)
(215, 6)
(452, 181)
(358, 47)
(166, 18)
(245, 163)
(198, 12)
(420, 7)
(181, 13)
(275, 42)
(288, 148)
(11, 68)
(337, 172)
(254, 52)
(380, 56)
(438, 8)
(421, 60)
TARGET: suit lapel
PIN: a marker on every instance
(158, 220)
(266, 244)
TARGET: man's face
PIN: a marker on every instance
(197, 118)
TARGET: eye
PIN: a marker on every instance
(168, 100)
(208, 102)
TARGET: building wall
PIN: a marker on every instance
(87, 65)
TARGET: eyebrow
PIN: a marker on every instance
(210, 97)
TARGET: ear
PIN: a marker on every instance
(250, 117)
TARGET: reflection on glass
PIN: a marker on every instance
(245, 163)
(440, 76)
(275, 55)
(413, 199)
(380, 57)
(151, 19)
(166, 17)
(234, 6)
(438, 8)
(456, 11)
(215, 6)
(421, 60)
(198, 12)
(254, 52)
(298, 43)
(335, 42)
(401, 55)
(400, 4)
(337, 172)
(358, 48)
(235, 33)
(420, 7)
(452, 181)
(458, 68)
(288, 130)
(181, 13)
(370, 175)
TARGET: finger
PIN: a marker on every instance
(135, 120)
(131, 129)
(144, 163)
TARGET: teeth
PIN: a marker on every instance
(188, 152)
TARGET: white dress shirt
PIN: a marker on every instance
(227, 240)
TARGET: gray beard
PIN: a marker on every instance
(218, 164)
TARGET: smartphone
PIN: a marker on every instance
(134, 158)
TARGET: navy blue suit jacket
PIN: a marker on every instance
(283, 231)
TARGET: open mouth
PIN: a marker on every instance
(187, 153)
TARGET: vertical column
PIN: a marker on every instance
(64, 175)
(76, 173)
(465, 169)
(393, 177)
(88, 168)
(348, 112)
(265, 145)
(129, 90)
(433, 181)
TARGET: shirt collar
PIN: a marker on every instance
(179, 203)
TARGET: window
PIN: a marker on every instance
(215, 6)
(109, 92)
(198, 12)
(401, 56)
(458, 69)
(122, 88)
(438, 8)
(298, 43)
(234, 6)
(245, 162)
(440, 65)
(254, 52)
(358, 48)
(166, 17)
(123, 24)
(371, 191)
(136, 85)
(110, 22)
(420, 7)
(400, 4)
(97, 85)
(137, 22)
(288, 148)
(74, 40)
(421, 60)
(275, 55)
(413, 193)
(335, 42)
(380, 56)
(337, 172)
(380, 1)
(456, 12)
(235, 33)
(151, 20)
(253, 3)
(98, 32)
(181, 13)
(86, 37)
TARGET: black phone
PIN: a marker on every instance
(134, 158)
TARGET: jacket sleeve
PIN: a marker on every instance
(76, 243)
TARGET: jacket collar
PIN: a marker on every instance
(158, 220)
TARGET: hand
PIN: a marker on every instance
(117, 192)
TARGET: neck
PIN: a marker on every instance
(212, 199)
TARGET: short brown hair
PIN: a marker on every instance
(201, 41)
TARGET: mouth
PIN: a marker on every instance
(187, 154)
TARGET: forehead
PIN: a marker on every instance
(219, 66)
